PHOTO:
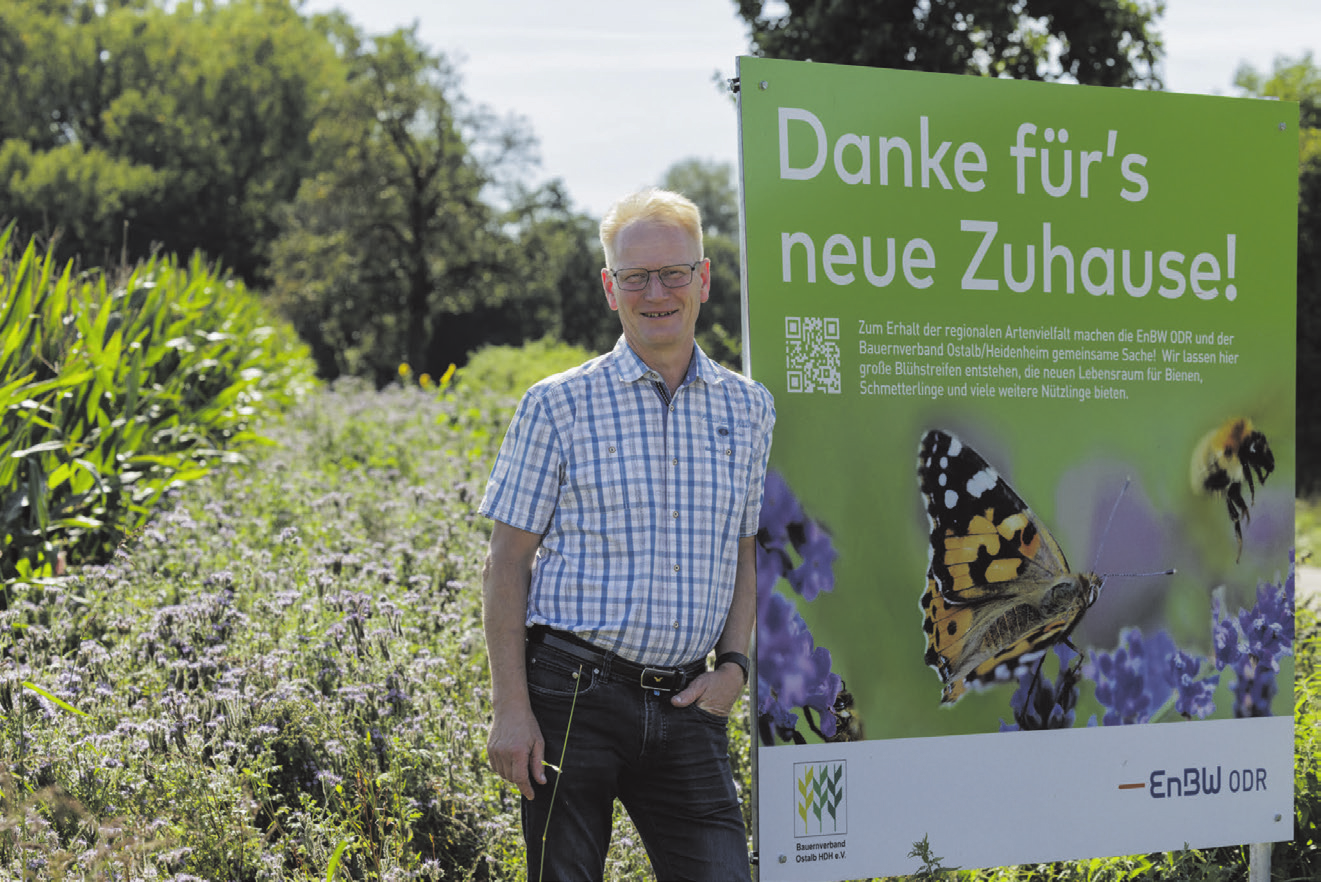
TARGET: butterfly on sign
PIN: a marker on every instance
(999, 589)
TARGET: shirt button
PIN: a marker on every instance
(676, 568)
(675, 514)
(676, 624)
(676, 460)
(729, 451)
(671, 408)
(611, 449)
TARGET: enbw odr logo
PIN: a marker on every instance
(820, 804)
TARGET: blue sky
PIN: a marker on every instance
(592, 77)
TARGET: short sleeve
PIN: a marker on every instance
(765, 425)
(523, 488)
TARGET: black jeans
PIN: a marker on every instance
(669, 767)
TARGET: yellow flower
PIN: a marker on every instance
(425, 381)
(404, 369)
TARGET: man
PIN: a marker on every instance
(625, 501)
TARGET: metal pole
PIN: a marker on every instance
(1259, 862)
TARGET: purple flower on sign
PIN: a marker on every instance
(779, 509)
(1138, 680)
(771, 711)
(816, 573)
(784, 533)
(792, 671)
(795, 671)
(1038, 703)
(1132, 682)
(772, 564)
(1192, 697)
(1252, 643)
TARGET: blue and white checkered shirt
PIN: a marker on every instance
(640, 500)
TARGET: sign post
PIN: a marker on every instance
(1026, 550)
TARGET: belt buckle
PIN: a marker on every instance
(661, 679)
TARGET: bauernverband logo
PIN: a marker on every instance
(820, 807)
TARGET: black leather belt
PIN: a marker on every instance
(657, 679)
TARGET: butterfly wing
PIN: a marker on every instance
(999, 591)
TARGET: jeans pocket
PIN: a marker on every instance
(715, 719)
(557, 674)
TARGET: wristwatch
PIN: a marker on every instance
(737, 658)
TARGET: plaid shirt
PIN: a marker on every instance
(640, 500)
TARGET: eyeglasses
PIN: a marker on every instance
(637, 278)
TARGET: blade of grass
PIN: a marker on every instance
(51, 698)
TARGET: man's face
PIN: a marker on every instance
(658, 321)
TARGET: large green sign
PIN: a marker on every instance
(1032, 350)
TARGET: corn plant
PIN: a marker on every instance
(115, 387)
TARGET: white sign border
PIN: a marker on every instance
(1108, 793)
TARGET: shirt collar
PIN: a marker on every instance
(631, 368)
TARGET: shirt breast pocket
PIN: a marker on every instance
(598, 476)
(731, 455)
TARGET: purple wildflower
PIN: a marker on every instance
(1132, 683)
(1252, 643)
(784, 525)
(816, 573)
(792, 671)
(1193, 697)
(1039, 704)
(772, 564)
(1224, 636)
(779, 509)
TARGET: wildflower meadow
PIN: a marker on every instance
(249, 646)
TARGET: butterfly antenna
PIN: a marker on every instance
(1105, 534)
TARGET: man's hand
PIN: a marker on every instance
(515, 749)
(714, 691)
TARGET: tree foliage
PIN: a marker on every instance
(131, 125)
(555, 268)
(1300, 80)
(1096, 42)
(711, 186)
(344, 172)
(391, 234)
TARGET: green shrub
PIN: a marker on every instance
(508, 371)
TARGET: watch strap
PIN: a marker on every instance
(737, 658)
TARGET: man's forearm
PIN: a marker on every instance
(742, 617)
(506, 575)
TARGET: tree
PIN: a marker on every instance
(390, 242)
(556, 260)
(1300, 80)
(145, 124)
(1096, 42)
(711, 186)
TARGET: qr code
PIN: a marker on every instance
(811, 354)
